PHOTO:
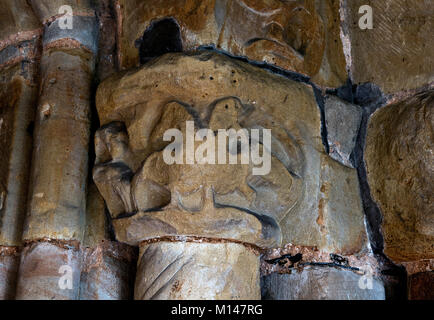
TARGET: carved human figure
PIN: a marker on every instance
(220, 191)
(208, 219)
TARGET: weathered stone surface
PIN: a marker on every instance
(39, 273)
(397, 53)
(309, 198)
(421, 286)
(343, 121)
(108, 268)
(292, 256)
(19, 40)
(333, 71)
(302, 36)
(84, 31)
(197, 271)
(17, 22)
(9, 261)
(25, 52)
(107, 44)
(57, 204)
(108, 272)
(400, 172)
(17, 98)
(48, 10)
(96, 229)
(222, 201)
(320, 283)
(340, 214)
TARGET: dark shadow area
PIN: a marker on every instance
(161, 37)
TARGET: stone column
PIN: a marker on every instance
(197, 271)
(20, 34)
(399, 166)
(56, 213)
(108, 267)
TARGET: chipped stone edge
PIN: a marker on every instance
(10, 251)
(195, 239)
(311, 256)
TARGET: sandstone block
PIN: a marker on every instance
(396, 54)
(298, 201)
(400, 171)
(343, 123)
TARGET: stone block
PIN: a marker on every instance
(400, 171)
(298, 201)
(343, 122)
(320, 283)
(396, 54)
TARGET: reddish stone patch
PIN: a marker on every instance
(421, 286)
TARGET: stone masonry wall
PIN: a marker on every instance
(87, 212)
